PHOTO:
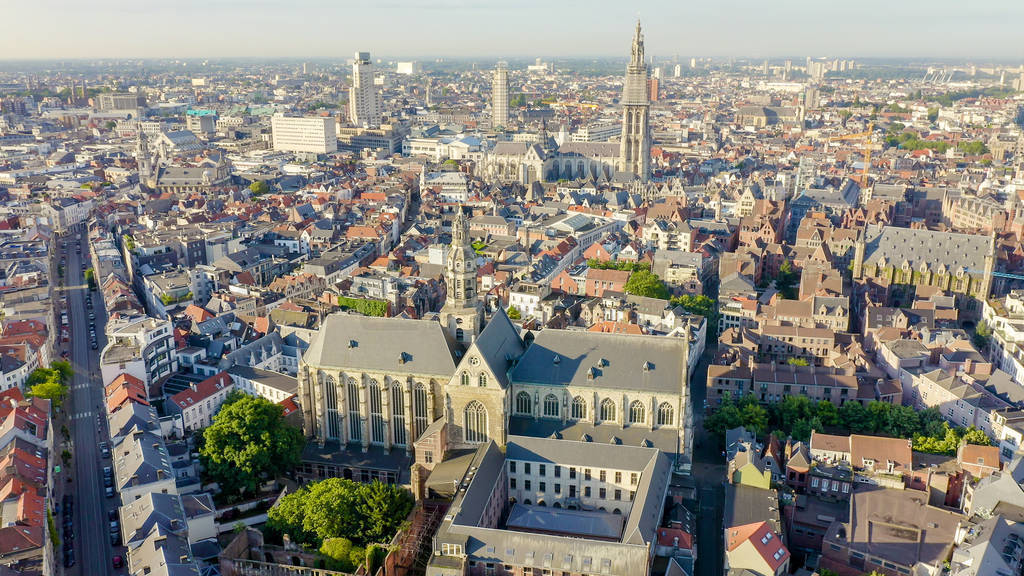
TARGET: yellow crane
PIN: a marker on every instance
(866, 138)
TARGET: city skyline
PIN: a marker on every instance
(464, 29)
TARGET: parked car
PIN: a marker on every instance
(105, 451)
(112, 514)
(94, 346)
(69, 558)
(118, 562)
(110, 492)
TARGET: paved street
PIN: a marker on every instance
(92, 545)
(708, 473)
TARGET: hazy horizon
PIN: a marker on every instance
(480, 29)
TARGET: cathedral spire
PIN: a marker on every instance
(635, 143)
(638, 47)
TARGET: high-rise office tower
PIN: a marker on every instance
(635, 146)
(499, 96)
(364, 102)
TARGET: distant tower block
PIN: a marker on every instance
(499, 96)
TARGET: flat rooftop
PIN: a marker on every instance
(564, 521)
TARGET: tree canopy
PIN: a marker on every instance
(50, 383)
(797, 416)
(696, 304)
(646, 283)
(249, 441)
(259, 188)
(338, 508)
(514, 313)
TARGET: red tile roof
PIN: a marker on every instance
(203, 390)
(768, 544)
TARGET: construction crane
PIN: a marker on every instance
(866, 138)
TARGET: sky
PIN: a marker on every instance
(978, 30)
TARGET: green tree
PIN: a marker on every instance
(982, 335)
(725, 417)
(48, 383)
(755, 417)
(646, 283)
(976, 436)
(933, 114)
(63, 367)
(854, 417)
(344, 556)
(110, 125)
(375, 555)
(973, 148)
(827, 413)
(696, 304)
(340, 508)
(514, 313)
(248, 442)
(795, 361)
(787, 280)
(259, 187)
(90, 278)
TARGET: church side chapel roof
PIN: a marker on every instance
(594, 359)
(392, 345)
(949, 249)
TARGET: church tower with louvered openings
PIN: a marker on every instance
(462, 314)
(635, 146)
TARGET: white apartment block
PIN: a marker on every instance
(409, 68)
(599, 132)
(1006, 318)
(364, 102)
(450, 186)
(313, 135)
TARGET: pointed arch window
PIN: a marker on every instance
(637, 413)
(419, 408)
(666, 415)
(355, 426)
(398, 414)
(551, 406)
(475, 423)
(607, 410)
(579, 408)
(331, 403)
(378, 430)
(524, 405)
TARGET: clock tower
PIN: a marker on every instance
(462, 313)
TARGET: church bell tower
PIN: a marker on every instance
(462, 313)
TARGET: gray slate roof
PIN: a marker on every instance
(498, 345)
(953, 250)
(393, 345)
(140, 517)
(627, 362)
